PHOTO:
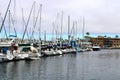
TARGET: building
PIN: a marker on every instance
(106, 42)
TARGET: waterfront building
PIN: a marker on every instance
(106, 42)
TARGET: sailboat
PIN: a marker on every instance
(84, 45)
(5, 55)
(70, 45)
(30, 49)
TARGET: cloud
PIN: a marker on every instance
(101, 16)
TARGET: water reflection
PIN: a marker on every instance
(95, 65)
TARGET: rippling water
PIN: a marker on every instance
(95, 65)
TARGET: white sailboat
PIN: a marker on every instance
(5, 54)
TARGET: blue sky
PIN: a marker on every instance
(101, 16)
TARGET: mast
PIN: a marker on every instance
(40, 29)
(5, 16)
(53, 28)
(14, 17)
(76, 29)
(83, 27)
(14, 10)
(23, 23)
(44, 37)
(11, 18)
(40, 22)
(9, 23)
(68, 28)
(27, 22)
(61, 29)
(34, 14)
(57, 26)
(73, 30)
(34, 26)
(61, 23)
(83, 33)
(4, 26)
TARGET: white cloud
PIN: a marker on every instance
(100, 15)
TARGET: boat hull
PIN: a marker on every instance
(96, 49)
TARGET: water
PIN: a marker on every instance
(95, 65)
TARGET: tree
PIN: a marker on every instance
(105, 36)
(116, 36)
(87, 33)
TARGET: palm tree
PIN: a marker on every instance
(87, 33)
(116, 36)
(105, 36)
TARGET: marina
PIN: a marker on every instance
(59, 40)
(100, 65)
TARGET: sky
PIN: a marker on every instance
(100, 16)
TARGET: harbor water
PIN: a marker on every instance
(94, 65)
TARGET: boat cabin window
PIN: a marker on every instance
(4, 50)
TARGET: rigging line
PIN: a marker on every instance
(68, 28)
(4, 27)
(24, 23)
(27, 22)
(13, 24)
(40, 22)
(35, 22)
(5, 16)
(72, 30)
